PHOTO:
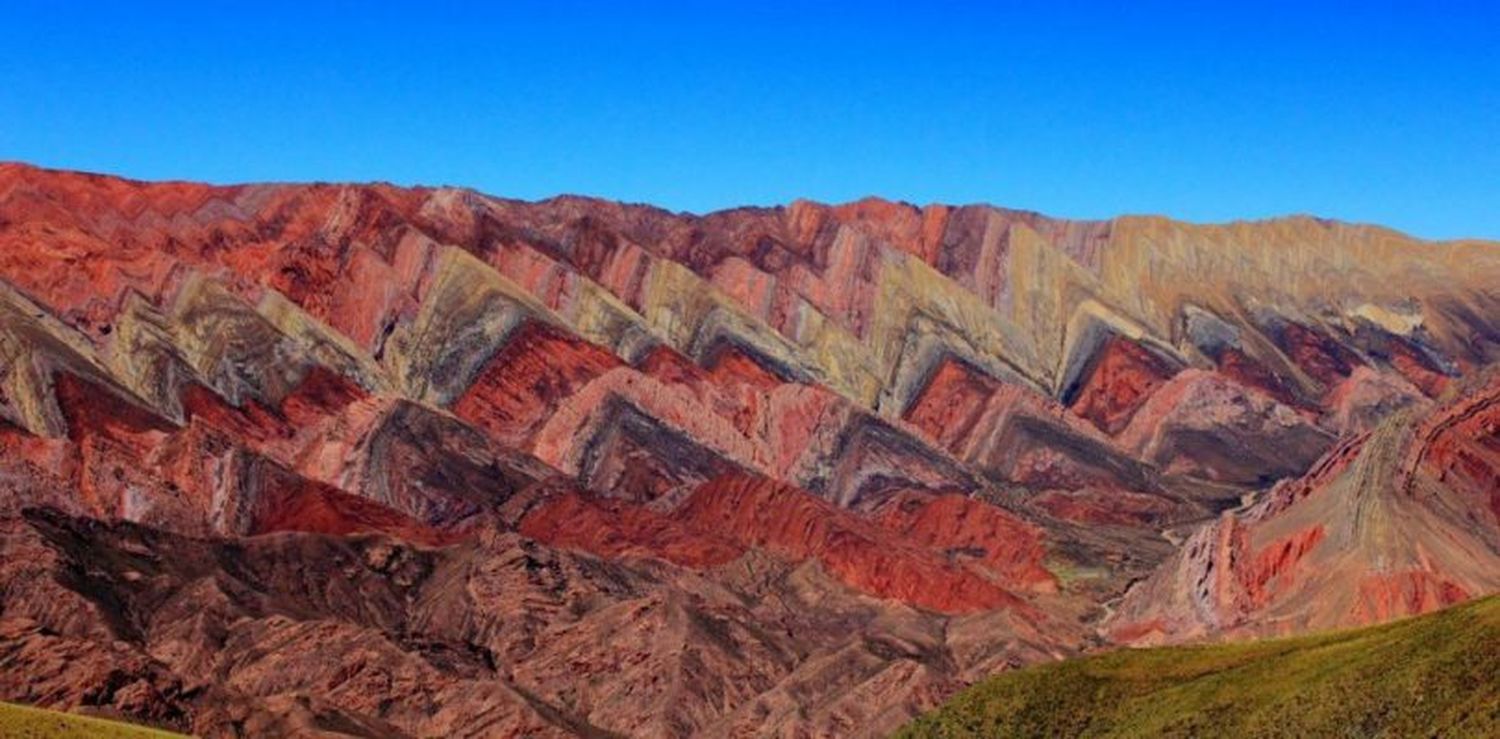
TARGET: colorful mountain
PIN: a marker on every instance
(415, 461)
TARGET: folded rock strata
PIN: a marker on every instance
(413, 461)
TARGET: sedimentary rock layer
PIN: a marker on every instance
(413, 461)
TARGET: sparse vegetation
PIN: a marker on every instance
(25, 722)
(1436, 675)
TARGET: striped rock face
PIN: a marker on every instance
(289, 458)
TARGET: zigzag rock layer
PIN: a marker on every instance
(412, 462)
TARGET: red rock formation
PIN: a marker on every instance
(1460, 446)
(728, 515)
(1104, 507)
(1082, 475)
(525, 383)
(618, 528)
(276, 499)
(1203, 424)
(1247, 371)
(785, 520)
(1418, 370)
(966, 528)
(1393, 595)
(1351, 542)
(227, 413)
(1316, 354)
(1123, 374)
(1275, 561)
(951, 403)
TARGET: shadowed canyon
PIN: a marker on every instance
(317, 459)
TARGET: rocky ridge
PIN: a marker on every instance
(391, 461)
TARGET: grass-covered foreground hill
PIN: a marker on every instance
(24, 722)
(1436, 675)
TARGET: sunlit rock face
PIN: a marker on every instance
(1394, 521)
(290, 458)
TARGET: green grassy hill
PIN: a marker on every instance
(1436, 675)
(25, 722)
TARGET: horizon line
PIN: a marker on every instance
(699, 214)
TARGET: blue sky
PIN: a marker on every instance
(1379, 112)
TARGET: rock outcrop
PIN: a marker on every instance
(1399, 521)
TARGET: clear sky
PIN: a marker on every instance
(1371, 111)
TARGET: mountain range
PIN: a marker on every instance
(362, 459)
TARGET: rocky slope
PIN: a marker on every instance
(1395, 521)
(390, 461)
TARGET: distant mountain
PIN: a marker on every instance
(1434, 675)
(428, 462)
